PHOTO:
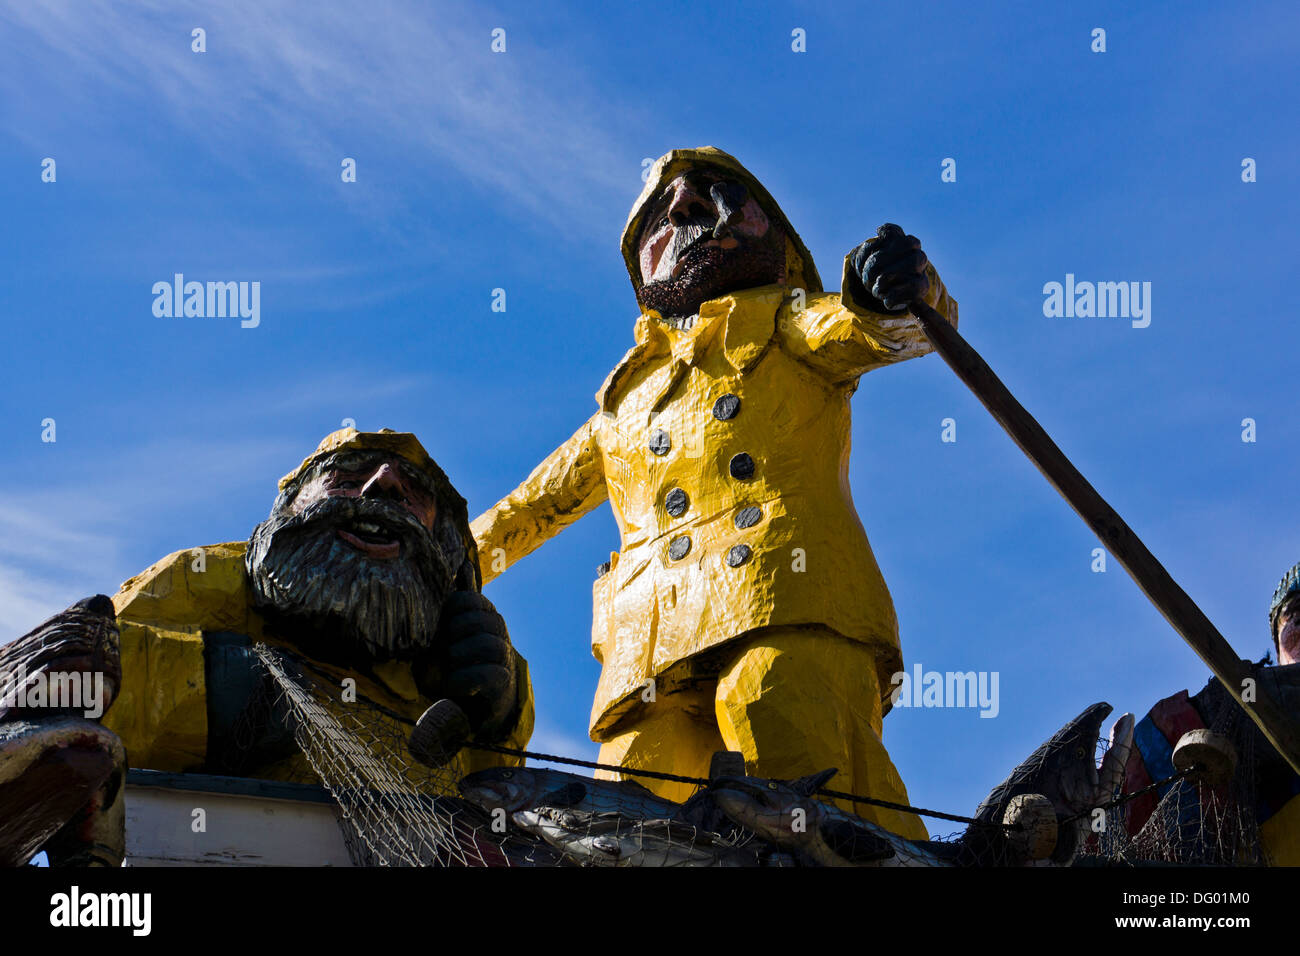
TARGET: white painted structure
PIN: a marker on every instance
(243, 822)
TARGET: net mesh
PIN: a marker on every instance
(1194, 823)
(395, 811)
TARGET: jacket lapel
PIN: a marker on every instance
(744, 322)
(651, 340)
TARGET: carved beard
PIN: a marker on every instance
(351, 606)
(711, 271)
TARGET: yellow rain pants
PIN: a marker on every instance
(792, 700)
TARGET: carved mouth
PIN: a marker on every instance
(703, 242)
(372, 538)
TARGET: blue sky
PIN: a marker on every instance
(479, 170)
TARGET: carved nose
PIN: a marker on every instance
(385, 483)
(687, 204)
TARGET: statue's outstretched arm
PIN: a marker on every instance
(563, 488)
(846, 335)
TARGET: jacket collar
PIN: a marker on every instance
(744, 322)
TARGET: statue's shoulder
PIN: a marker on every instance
(203, 588)
(805, 321)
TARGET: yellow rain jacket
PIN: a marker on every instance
(724, 451)
(161, 710)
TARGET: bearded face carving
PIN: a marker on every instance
(358, 557)
(705, 236)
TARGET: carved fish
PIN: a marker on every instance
(522, 788)
(1064, 769)
(61, 774)
(785, 814)
(82, 640)
(612, 839)
(607, 823)
(50, 772)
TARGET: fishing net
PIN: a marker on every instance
(1212, 825)
(393, 811)
(1194, 822)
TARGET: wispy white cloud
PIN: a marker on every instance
(65, 541)
(325, 388)
(26, 600)
(318, 81)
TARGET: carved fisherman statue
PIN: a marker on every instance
(744, 588)
(365, 569)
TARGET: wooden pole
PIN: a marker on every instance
(1163, 591)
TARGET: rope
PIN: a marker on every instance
(703, 782)
(573, 761)
(1125, 798)
(836, 794)
(956, 818)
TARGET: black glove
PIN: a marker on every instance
(475, 665)
(889, 271)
